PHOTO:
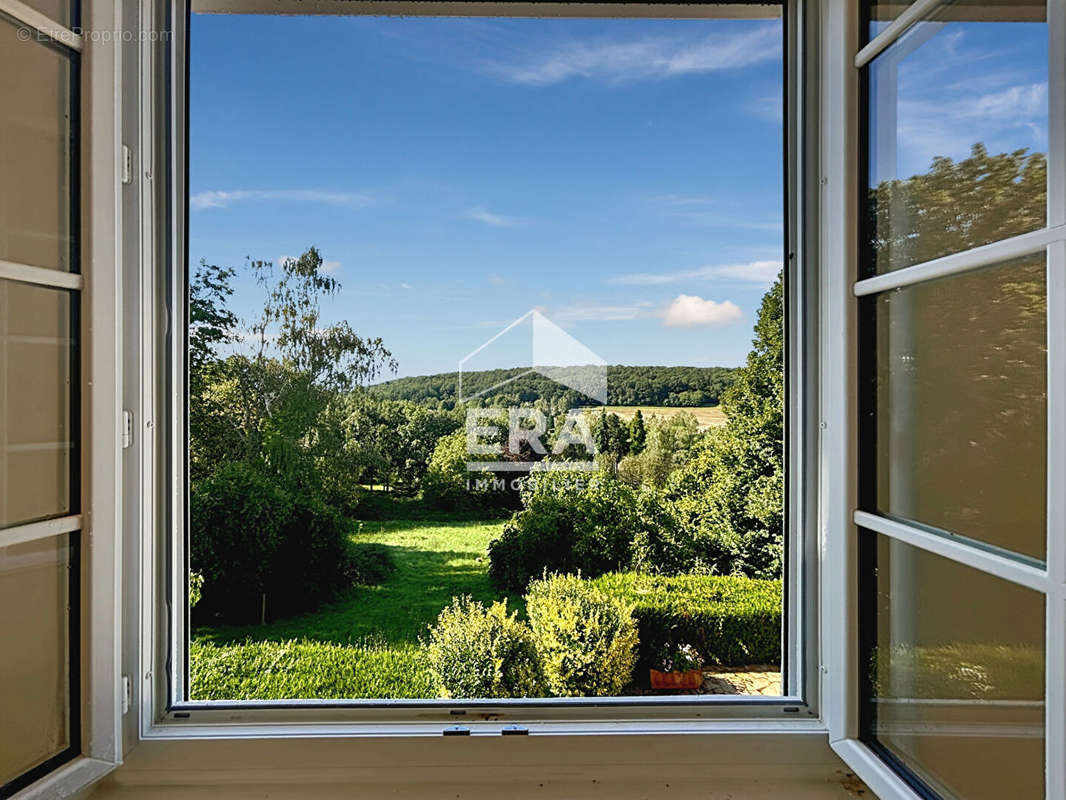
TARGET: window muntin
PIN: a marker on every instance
(954, 663)
(958, 435)
(957, 136)
(34, 672)
(35, 149)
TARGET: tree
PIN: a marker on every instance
(637, 433)
(731, 494)
(211, 325)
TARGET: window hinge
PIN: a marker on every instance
(127, 165)
(456, 730)
(514, 730)
(127, 428)
(127, 693)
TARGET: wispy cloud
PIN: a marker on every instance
(406, 286)
(480, 214)
(705, 210)
(224, 198)
(592, 313)
(647, 58)
(688, 310)
(753, 272)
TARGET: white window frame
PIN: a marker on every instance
(99, 520)
(149, 492)
(842, 61)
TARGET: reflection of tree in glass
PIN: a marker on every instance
(962, 403)
(956, 206)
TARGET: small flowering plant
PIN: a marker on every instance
(678, 658)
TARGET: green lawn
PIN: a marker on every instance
(365, 644)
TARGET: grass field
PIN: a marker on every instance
(706, 416)
(363, 645)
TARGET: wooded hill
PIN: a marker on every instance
(626, 386)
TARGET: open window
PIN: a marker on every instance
(468, 171)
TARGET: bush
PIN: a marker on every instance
(586, 639)
(369, 563)
(581, 524)
(238, 518)
(729, 620)
(479, 652)
(261, 551)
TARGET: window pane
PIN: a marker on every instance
(957, 134)
(35, 402)
(35, 192)
(34, 689)
(961, 405)
(56, 10)
(954, 666)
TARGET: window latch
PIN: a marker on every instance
(127, 428)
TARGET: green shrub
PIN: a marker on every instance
(369, 563)
(196, 587)
(728, 620)
(238, 516)
(576, 523)
(261, 550)
(478, 652)
(585, 638)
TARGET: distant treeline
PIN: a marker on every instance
(626, 386)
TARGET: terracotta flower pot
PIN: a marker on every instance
(687, 679)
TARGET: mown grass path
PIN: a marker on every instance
(366, 643)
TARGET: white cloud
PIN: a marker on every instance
(406, 286)
(649, 58)
(224, 198)
(481, 214)
(687, 310)
(331, 266)
(754, 272)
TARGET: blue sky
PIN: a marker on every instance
(623, 177)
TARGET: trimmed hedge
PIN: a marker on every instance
(729, 620)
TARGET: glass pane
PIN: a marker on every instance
(954, 667)
(35, 190)
(957, 134)
(961, 404)
(56, 10)
(35, 402)
(34, 688)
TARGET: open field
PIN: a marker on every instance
(364, 645)
(706, 416)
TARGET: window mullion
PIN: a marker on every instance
(1001, 566)
(966, 261)
(39, 276)
(44, 529)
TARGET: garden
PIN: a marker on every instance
(339, 548)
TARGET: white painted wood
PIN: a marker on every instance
(1002, 567)
(443, 8)
(39, 530)
(884, 783)
(33, 18)
(911, 14)
(984, 256)
(40, 276)
(838, 267)
(67, 780)
(101, 408)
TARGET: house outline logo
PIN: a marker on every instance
(554, 354)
